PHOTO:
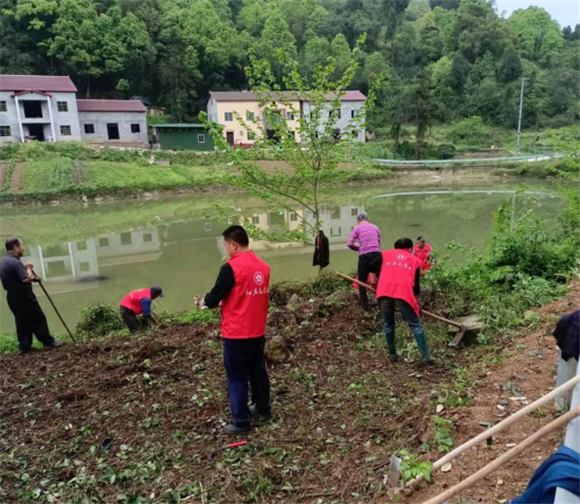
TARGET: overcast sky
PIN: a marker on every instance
(566, 12)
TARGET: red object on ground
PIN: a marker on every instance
(397, 277)
(235, 445)
(424, 255)
(354, 284)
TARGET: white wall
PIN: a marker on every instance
(123, 119)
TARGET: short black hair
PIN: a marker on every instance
(404, 243)
(12, 243)
(420, 238)
(236, 234)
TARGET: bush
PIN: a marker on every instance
(99, 319)
(446, 151)
(473, 131)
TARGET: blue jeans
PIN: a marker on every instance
(244, 362)
(387, 306)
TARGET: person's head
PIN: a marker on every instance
(404, 244)
(420, 242)
(156, 292)
(235, 240)
(362, 217)
(15, 246)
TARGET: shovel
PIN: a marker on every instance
(456, 340)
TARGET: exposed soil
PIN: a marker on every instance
(137, 419)
(16, 174)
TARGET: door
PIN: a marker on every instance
(113, 131)
(36, 131)
(230, 137)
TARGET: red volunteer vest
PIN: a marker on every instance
(423, 256)
(397, 277)
(133, 300)
(245, 308)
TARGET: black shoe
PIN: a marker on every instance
(234, 429)
(428, 360)
(24, 351)
(393, 357)
(54, 344)
(264, 417)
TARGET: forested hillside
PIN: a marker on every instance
(443, 59)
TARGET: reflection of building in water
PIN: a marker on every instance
(74, 261)
(337, 222)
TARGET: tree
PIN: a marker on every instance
(459, 73)
(510, 67)
(570, 35)
(537, 36)
(276, 39)
(312, 151)
(443, 97)
(341, 54)
(316, 52)
(445, 4)
(422, 109)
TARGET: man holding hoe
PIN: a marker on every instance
(242, 290)
(398, 285)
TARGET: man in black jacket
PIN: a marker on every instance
(17, 282)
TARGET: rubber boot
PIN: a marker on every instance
(391, 344)
(423, 348)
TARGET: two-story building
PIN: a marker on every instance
(45, 108)
(228, 107)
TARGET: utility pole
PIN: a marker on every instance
(524, 79)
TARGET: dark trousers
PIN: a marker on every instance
(364, 268)
(387, 306)
(130, 319)
(30, 319)
(244, 362)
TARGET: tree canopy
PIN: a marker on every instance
(458, 56)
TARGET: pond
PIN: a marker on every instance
(100, 252)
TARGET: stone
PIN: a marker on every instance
(276, 350)
(294, 301)
(439, 408)
(447, 467)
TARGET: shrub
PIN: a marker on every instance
(99, 319)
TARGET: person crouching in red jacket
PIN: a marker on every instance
(138, 302)
(398, 285)
(243, 289)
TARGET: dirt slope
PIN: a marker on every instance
(136, 419)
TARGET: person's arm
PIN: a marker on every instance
(352, 238)
(25, 273)
(417, 286)
(146, 307)
(223, 285)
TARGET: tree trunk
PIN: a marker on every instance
(88, 93)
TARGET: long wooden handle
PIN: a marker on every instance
(516, 450)
(424, 312)
(55, 309)
(511, 420)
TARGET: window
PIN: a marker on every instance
(292, 134)
(354, 212)
(293, 217)
(81, 245)
(56, 269)
(290, 116)
(126, 239)
(85, 266)
(353, 113)
(251, 135)
(255, 219)
(62, 106)
(208, 226)
(5, 131)
(335, 231)
(65, 131)
(89, 129)
(135, 128)
(103, 242)
(354, 133)
(3, 107)
(241, 133)
(200, 138)
(335, 112)
(249, 116)
(147, 238)
(229, 116)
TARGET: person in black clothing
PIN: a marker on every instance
(321, 251)
(17, 282)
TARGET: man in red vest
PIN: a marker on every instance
(138, 302)
(242, 288)
(422, 251)
(398, 284)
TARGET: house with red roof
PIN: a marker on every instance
(45, 108)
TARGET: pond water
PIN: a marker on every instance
(99, 253)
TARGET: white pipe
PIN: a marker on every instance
(51, 119)
(19, 119)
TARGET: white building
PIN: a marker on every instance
(45, 108)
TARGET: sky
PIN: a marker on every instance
(566, 12)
